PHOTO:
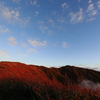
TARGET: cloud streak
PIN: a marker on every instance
(32, 50)
(98, 4)
(23, 44)
(91, 19)
(16, 1)
(3, 52)
(37, 43)
(3, 30)
(12, 41)
(79, 0)
(93, 13)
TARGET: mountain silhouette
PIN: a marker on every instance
(19, 81)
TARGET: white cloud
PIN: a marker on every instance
(90, 84)
(79, 0)
(50, 20)
(89, 1)
(76, 17)
(32, 50)
(24, 44)
(91, 19)
(64, 44)
(37, 43)
(97, 67)
(33, 2)
(93, 13)
(90, 7)
(44, 28)
(12, 41)
(61, 20)
(3, 30)
(37, 12)
(12, 15)
(64, 6)
(3, 52)
(98, 3)
(16, 1)
(7, 13)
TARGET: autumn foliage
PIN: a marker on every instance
(19, 81)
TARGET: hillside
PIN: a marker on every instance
(19, 81)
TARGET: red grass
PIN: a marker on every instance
(50, 83)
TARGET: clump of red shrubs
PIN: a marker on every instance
(57, 91)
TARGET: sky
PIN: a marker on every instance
(51, 33)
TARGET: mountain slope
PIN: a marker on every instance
(19, 81)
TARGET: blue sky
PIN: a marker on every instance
(50, 32)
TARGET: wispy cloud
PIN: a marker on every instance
(22, 54)
(3, 52)
(33, 2)
(76, 17)
(44, 28)
(64, 6)
(37, 43)
(98, 4)
(24, 44)
(37, 12)
(3, 29)
(9, 14)
(16, 1)
(62, 20)
(93, 13)
(90, 7)
(91, 19)
(12, 15)
(32, 50)
(64, 44)
(12, 41)
(79, 0)
(90, 1)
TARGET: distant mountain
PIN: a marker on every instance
(19, 81)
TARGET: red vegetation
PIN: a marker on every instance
(19, 81)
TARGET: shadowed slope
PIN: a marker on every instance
(78, 74)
